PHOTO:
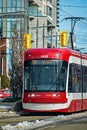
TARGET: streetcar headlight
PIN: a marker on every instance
(54, 95)
(32, 95)
(0, 95)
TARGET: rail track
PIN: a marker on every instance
(20, 118)
(13, 120)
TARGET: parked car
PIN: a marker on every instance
(5, 93)
(11, 103)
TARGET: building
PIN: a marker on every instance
(12, 24)
(5, 56)
(43, 23)
(36, 17)
(40, 17)
(11, 17)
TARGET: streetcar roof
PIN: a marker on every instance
(52, 53)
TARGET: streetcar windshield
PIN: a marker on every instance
(45, 75)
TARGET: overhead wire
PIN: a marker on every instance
(73, 16)
(74, 6)
(82, 34)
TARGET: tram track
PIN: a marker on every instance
(20, 118)
(49, 119)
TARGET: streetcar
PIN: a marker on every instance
(55, 80)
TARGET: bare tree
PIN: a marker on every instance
(17, 63)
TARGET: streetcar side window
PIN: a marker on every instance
(75, 79)
(70, 79)
(84, 79)
(78, 85)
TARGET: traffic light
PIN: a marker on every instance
(63, 38)
(27, 41)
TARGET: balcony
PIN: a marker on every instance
(32, 0)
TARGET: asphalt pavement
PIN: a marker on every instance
(80, 124)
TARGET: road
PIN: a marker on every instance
(75, 125)
(17, 119)
(50, 121)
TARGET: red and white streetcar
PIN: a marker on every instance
(55, 80)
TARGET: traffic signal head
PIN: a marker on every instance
(63, 38)
(27, 41)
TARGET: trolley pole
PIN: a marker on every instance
(73, 22)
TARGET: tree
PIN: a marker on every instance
(17, 63)
(5, 82)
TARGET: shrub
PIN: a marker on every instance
(5, 82)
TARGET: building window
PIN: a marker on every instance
(50, 1)
(33, 11)
(0, 6)
(8, 5)
(0, 28)
(0, 32)
(8, 27)
(14, 5)
(19, 5)
(49, 11)
(13, 24)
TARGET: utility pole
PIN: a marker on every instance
(37, 34)
(43, 34)
(73, 22)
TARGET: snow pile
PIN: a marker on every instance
(25, 125)
(8, 114)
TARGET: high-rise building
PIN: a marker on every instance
(36, 17)
(43, 22)
(12, 24)
(11, 17)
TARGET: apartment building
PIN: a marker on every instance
(12, 19)
(40, 17)
(37, 17)
(43, 23)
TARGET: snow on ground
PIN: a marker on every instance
(8, 114)
(25, 125)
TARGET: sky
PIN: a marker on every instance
(74, 8)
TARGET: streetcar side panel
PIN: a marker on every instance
(76, 84)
